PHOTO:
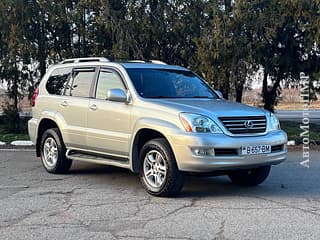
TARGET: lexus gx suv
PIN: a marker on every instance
(158, 120)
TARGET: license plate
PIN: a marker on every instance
(255, 149)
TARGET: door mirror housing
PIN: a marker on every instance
(117, 95)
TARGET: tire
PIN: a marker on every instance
(159, 173)
(53, 152)
(250, 177)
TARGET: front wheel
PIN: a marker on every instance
(53, 152)
(250, 177)
(159, 173)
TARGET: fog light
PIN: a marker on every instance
(200, 151)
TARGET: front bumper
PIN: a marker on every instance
(183, 143)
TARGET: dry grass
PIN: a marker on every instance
(297, 106)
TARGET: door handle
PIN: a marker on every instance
(64, 103)
(93, 107)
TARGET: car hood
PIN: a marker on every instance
(216, 107)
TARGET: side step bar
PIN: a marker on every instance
(99, 158)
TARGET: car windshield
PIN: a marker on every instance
(168, 83)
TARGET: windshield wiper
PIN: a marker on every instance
(160, 97)
(200, 97)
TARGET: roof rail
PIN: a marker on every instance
(137, 61)
(148, 61)
(158, 62)
(88, 59)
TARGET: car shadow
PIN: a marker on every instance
(277, 184)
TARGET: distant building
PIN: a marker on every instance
(24, 104)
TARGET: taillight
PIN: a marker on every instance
(34, 97)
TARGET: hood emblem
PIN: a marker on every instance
(248, 124)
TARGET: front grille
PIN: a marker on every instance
(244, 125)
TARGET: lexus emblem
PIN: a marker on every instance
(248, 124)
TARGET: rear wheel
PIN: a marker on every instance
(250, 177)
(53, 152)
(159, 173)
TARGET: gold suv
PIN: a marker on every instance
(158, 120)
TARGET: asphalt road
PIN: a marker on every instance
(100, 202)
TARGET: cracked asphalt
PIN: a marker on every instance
(101, 202)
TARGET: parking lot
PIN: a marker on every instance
(101, 202)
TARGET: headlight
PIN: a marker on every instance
(274, 123)
(198, 123)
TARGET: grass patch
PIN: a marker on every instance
(12, 129)
(293, 130)
(9, 137)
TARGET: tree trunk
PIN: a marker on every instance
(15, 88)
(265, 93)
(15, 94)
(42, 49)
(84, 45)
(224, 87)
(270, 95)
(239, 91)
(15, 118)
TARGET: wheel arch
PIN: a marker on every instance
(45, 123)
(141, 137)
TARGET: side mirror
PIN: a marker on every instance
(117, 95)
(219, 94)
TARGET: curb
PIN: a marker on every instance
(21, 143)
(18, 143)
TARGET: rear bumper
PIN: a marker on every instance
(187, 160)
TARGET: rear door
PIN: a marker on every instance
(108, 122)
(74, 106)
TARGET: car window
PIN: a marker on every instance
(58, 80)
(108, 80)
(81, 84)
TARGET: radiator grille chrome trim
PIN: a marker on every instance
(245, 124)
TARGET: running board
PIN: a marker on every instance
(99, 158)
